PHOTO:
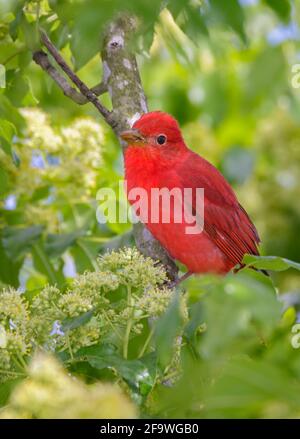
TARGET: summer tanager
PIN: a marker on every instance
(156, 156)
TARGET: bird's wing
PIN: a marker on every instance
(225, 221)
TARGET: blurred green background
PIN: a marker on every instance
(228, 72)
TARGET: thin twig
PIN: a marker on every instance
(86, 94)
(41, 58)
(129, 323)
(146, 344)
(99, 89)
(89, 94)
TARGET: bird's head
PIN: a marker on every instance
(155, 130)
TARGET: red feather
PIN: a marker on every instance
(225, 220)
(228, 232)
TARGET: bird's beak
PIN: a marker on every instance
(132, 136)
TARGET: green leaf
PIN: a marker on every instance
(69, 324)
(194, 24)
(85, 252)
(17, 89)
(43, 264)
(167, 329)
(196, 318)
(5, 390)
(281, 7)
(8, 49)
(86, 26)
(97, 353)
(14, 25)
(3, 181)
(11, 113)
(139, 374)
(247, 388)
(238, 310)
(78, 216)
(9, 269)
(30, 34)
(230, 13)
(274, 263)
(17, 240)
(269, 61)
(56, 245)
(135, 373)
(41, 193)
(6, 146)
(7, 130)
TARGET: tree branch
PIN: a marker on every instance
(122, 81)
(99, 89)
(121, 74)
(87, 94)
(41, 58)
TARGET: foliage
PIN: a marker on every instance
(108, 306)
(50, 393)
(245, 364)
(85, 317)
(119, 323)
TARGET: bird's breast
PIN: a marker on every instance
(157, 198)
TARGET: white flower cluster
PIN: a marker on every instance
(50, 393)
(111, 304)
(65, 162)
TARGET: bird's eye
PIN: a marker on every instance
(161, 139)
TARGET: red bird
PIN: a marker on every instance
(157, 157)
